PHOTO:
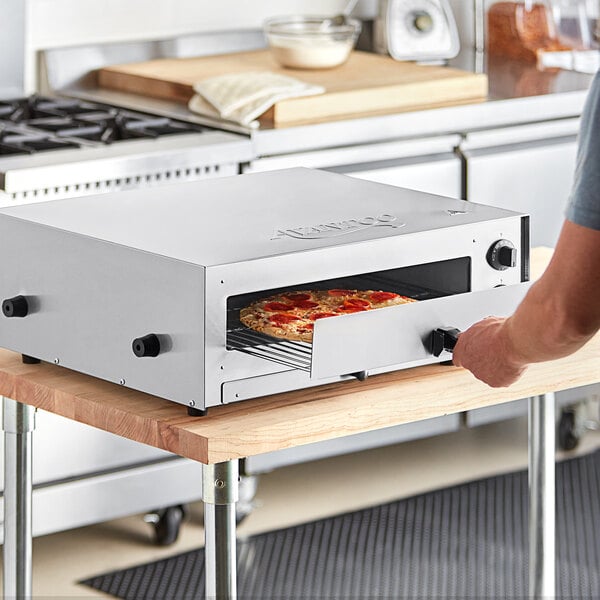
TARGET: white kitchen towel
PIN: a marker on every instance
(242, 97)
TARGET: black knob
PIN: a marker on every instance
(149, 345)
(15, 307)
(443, 338)
(502, 255)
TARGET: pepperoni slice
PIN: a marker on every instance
(306, 304)
(322, 315)
(356, 302)
(277, 306)
(352, 309)
(297, 297)
(307, 327)
(282, 319)
(340, 292)
(382, 296)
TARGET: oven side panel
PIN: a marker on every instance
(90, 299)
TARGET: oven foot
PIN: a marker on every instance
(360, 375)
(447, 363)
(197, 412)
(30, 360)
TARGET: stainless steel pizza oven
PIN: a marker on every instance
(144, 287)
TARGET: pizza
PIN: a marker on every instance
(292, 315)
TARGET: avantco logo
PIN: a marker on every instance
(336, 228)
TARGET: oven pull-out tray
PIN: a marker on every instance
(400, 334)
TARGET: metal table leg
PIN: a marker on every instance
(18, 425)
(220, 492)
(542, 499)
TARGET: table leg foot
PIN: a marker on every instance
(220, 492)
(18, 425)
(542, 510)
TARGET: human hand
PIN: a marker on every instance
(484, 349)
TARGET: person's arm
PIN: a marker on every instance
(559, 314)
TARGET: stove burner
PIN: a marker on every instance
(55, 123)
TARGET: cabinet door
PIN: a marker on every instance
(438, 174)
(533, 178)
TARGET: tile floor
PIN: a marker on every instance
(336, 485)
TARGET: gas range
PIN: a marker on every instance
(54, 147)
(37, 124)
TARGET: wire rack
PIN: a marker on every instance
(284, 352)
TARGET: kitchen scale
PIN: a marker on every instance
(419, 30)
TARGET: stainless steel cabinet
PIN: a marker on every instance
(428, 164)
(437, 174)
(527, 169)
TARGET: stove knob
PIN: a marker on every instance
(502, 255)
(149, 345)
(15, 307)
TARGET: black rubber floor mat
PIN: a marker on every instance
(468, 541)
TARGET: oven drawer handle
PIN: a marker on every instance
(443, 338)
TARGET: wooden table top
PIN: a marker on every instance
(283, 420)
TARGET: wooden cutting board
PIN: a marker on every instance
(366, 84)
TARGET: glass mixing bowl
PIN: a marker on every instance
(311, 42)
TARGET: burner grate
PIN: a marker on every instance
(86, 121)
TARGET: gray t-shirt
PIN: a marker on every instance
(584, 202)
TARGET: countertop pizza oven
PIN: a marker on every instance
(144, 287)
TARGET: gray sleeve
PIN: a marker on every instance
(584, 201)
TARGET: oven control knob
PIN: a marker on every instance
(149, 345)
(15, 307)
(502, 255)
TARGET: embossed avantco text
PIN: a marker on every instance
(336, 228)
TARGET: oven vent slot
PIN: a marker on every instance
(128, 182)
(284, 352)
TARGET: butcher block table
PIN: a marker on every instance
(281, 421)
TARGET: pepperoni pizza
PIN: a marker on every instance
(292, 315)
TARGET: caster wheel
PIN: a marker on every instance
(167, 523)
(568, 436)
(241, 515)
(246, 503)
